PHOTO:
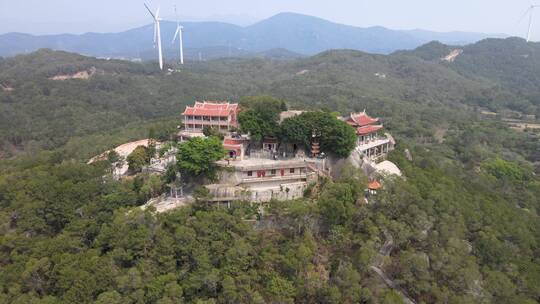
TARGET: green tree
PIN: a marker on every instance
(503, 169)
(337, 204)
(336, 137)
(202, 194)
(230, 292)
(260, 116)
(138, 159)
(392, 297)
(197, 157)
(264, 103)
(109, 297)
(152, 186)
(500, 286)
(281, 289)
(113, 157)
(211, 131)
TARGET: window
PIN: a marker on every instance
(292, 170)
(273, 172)
(250, 173)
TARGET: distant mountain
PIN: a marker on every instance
(305, 35)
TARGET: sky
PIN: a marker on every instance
(79, 16)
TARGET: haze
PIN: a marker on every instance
(68, 16)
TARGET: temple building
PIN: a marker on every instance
(371, 141)
(262, 180)
(219, 115)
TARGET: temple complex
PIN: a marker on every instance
(273, 170)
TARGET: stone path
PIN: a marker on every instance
(385, 251)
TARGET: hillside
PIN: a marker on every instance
(511, 65)
(461, 227)
(47, 113)
(301, 34)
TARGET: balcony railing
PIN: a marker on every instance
(372, 143)
(278, 177)
(206, 122)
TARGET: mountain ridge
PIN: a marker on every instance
(302, 34)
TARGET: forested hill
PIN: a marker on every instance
(41, 111)
(462, 227)
(512, 64)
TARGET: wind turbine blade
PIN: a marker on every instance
(176, 15)
(157, 12)
(150, 11)
(181, 46)
(159, 45)
(525, 14)
(176, 34)
(530, 24)
(155, 33)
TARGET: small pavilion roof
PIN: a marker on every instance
(374, 185)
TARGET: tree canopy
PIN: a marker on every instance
(139, 158)
(260, 116)
(336, 137)
(197, 156)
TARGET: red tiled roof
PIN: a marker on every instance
(233, 141)
(362, 119)
(374, 185)
(207, 108)
(367, 129)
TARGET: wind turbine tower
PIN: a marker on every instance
(179, 35)
(530, 12)
(157, 34)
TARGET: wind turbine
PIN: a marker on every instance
(157, 34)
(530, 11)
(179, 35)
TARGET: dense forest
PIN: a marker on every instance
(464, 220)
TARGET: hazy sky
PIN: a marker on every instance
(76, 16)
